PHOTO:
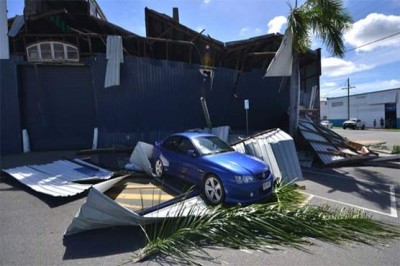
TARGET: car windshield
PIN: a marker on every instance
(211, 145)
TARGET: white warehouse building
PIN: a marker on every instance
(379, 105)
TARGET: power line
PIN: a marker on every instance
(375, 41)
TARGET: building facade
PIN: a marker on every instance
(381, 106)
(69, 73)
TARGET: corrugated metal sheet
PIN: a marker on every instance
(19, 21)
(100, 211)
(156, 98)
(59, 108)
(58, 178)
(277, 149)
(62, 104)
(115, 57)
(4, 47)
(10, 124)
(330, 147)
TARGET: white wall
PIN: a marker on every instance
(367, 107)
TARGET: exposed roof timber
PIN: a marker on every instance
(151, 14)
(44, 15)
(99, 10)
(178, 42)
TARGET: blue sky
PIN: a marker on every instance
(370, 68)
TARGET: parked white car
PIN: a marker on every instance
(326, 123)
(354, 123)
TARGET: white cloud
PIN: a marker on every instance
(247, 32)
(376, 85)
(334, 67)
(275, 25)
(244, 32)
(206, 2)
(329, 84)
(373, 27)
(258, 31)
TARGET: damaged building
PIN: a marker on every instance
(73, 80)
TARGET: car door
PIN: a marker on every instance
(188, 162)
(169, 153)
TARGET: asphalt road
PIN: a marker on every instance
(32, 225)
(389, 138)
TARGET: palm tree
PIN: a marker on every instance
(328, 20)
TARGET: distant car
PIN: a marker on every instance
(223, 174)
(354, 123)
(326, 123)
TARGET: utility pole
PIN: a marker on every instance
(348, 97)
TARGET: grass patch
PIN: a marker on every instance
(396, 149)
(283, 221)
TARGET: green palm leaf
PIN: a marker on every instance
(262, 226)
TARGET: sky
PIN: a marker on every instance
(371, 63)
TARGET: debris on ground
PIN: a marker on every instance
(330, 147)
(59, 178)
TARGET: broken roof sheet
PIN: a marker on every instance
(330, 147)
(277, 149)
(101, 211)
(59, 178)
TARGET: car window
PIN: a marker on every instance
(211, 145)
(185, 145)
(171, 143)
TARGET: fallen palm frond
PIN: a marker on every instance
(262, 226)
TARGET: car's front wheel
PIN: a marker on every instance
(159, 168)
(213, 190)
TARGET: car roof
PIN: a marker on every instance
(192, 135)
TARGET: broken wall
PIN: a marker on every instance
(61, 105)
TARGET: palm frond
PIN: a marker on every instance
(262, 226)
(327, 19)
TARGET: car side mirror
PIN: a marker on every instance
(192, 153)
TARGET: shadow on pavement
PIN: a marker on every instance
(366, 183)
(104, 242)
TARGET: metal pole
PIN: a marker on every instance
(348, 97)
(247, 122)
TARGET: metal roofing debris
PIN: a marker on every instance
(277, 149)
(18, 22)
(141, 155)
(100, 211)
(330, 147)
(222, 132)
(115, 57)
(58, 178)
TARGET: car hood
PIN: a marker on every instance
(238, 163)
(349, 121)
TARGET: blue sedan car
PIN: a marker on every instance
(208, 162)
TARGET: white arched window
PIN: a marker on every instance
(52, 52)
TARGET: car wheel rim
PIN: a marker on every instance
(159, 168)
(213, 190)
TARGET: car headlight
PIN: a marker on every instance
(243, 179)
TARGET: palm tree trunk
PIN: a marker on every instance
(294, 96)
